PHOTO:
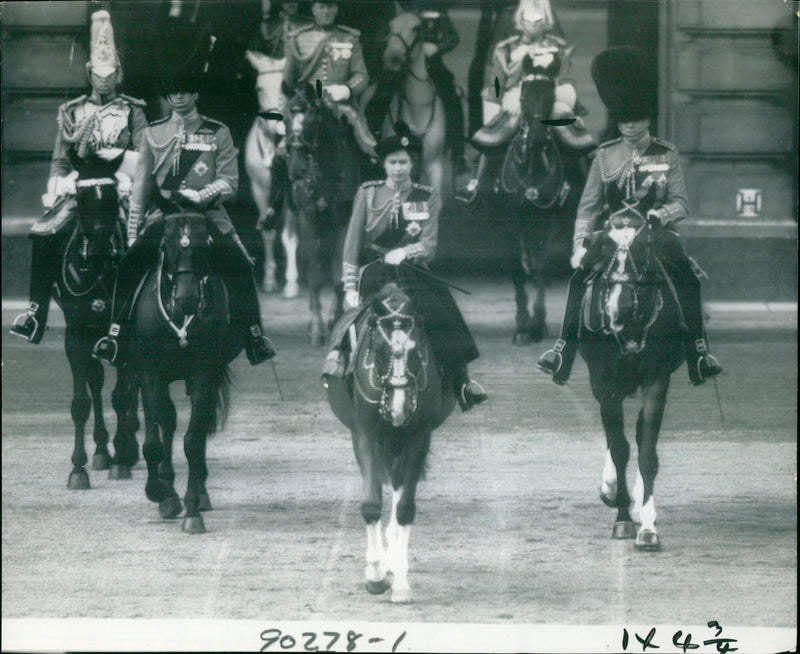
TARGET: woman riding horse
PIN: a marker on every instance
(641, 174)
(395, 226)
(187, 161)
(104, 125)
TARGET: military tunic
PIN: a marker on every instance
(509, 56)
(633, 178)
(385, 218)
(331, 55)
(195, 153)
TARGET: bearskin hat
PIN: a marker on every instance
(624, 83)
(183, 57)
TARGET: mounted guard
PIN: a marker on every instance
(102, 125)
(328, 56)
(536, 50)
(188, 163)
(636, 176)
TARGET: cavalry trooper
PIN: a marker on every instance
(330, 54)
(103, 125)
(395, 220)
(537, 45)
(186, 161)
(641, 174)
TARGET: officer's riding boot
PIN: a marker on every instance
(257, 346)
(701, 364)
(131, 269)
(33, 322)
(558, 360)
(469, 393)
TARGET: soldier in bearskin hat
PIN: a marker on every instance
(190, 161)
(640, 173)
(395, 220)
(103, 125)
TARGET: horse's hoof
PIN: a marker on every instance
(269, 287)
(611, 503)
(193, 525)
(401, 595)
(623, 529)
(204, 502)
(521, 338)
(291, 290)
(78, 480)
(157, 490)
(101, 461)
(118, 472)
(647, 541)
(170, 508)
(377, 587)
(536, 334)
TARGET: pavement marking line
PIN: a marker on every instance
(216, 578)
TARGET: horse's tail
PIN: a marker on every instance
(219, 413)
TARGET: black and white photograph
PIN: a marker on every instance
(399, 325)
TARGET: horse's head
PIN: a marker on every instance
(268, 81)
(97, 205)
(396, 343)
(186, 262)
(405, 33)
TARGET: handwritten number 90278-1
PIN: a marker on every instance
(329, 639)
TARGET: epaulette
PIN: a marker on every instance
(300, 28)
(662, 142)
(508, 41)
(350, 30)
(134, 101)
(611, 142)
(72, 103)
(422, 187)
(375, 182)
(557, 39)
(206, 119)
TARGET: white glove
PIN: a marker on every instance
(654, 215)
(107, 154)
(124, 184)
(395, 257)
(352, 299)
(577, 257)
(338, 92)
(190, 194)
(511, 100)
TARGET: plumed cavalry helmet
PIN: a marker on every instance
(402, 140)
(624, 83)
(183, 58)
(103, 58)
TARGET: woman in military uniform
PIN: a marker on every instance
(186, 160)
(641, 174)
(102, 124)
(395, 221)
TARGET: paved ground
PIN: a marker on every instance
(509, 528)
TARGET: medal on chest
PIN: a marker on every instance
(414, 213)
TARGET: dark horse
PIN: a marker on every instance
(391, 402)
(540, 181)
(89, 255)
(183, 332)
(631, 337)
(325, 171)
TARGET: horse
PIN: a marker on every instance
(540, 181)
(392, 401)
(631, 337)
(182, 331)
(325, 171)
(88, 257)
(260, 147)
(414, 100)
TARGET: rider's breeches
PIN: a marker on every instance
(238, 275)
(44, 271)
(679, 267)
